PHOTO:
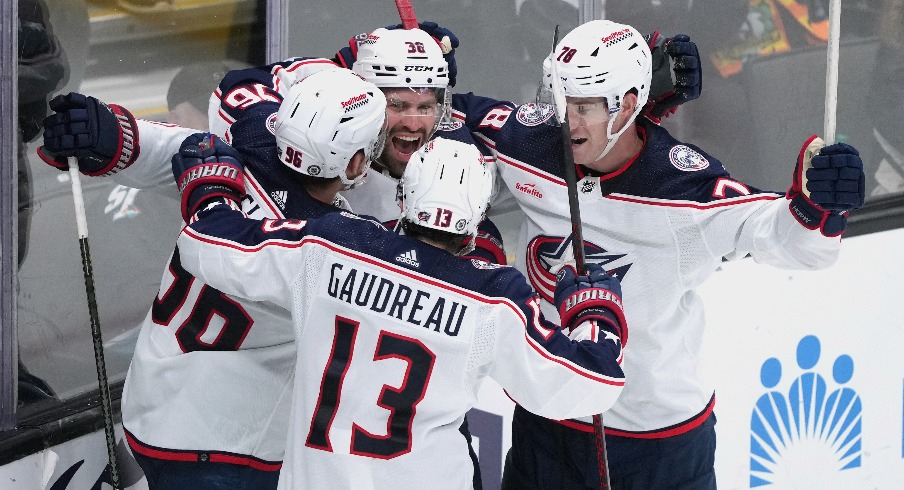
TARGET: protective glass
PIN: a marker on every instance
(428, 102)
(591, 111)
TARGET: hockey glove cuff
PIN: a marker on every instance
(207, 167)
(103, 137)
(593, 296)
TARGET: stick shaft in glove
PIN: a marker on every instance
(577, 236)
(106, 403)
(831, 102)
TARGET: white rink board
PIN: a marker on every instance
(757, 312)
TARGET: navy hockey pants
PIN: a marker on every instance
(549, 456)
(182, 475)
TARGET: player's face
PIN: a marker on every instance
(185, 115)
(588, 118)
(411, 116)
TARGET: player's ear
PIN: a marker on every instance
(356, 165)
(629, 103)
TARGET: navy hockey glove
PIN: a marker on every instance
(103, 137)
(828, 182)
(207, 167)
(593, 296)
(445, 38)
(677, 55)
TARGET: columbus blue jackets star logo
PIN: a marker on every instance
(545, 252)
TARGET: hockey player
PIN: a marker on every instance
(417, 85)
(660, 215)
(108, 140)
(395, 334)
(206, 398)
(112, 141)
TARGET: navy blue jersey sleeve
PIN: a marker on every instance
(489, 246)
(242, 90)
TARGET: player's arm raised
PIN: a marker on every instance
(108, 140)
(800, 230)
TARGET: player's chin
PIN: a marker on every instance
(580, 148)
(394, 161)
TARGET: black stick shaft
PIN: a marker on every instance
(569, 172)
(571, 183)
(106, 402)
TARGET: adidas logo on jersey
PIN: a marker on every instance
(409, 257)
(280, 198)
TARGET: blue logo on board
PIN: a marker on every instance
(809, 431)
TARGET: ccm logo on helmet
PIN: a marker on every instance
(418, 68)
(355, 102)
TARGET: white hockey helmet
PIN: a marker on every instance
(325, 119)
(602, 58)
(401, 58)
(406, 58)
(447, 187)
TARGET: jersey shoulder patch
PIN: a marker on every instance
(452, 125)
(534, 114)
(687, 159)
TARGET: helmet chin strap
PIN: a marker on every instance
(612, 138)
(468, 246)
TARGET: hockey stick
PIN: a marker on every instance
(577, 235)
(406, 13)
(106, 404)
(832, 71)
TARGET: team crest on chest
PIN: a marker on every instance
(545, 252)
(686, 159)
(533, 114)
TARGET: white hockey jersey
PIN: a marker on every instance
(394, 338)
(224, 364)
(662, 224)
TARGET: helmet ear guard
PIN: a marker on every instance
(605, 59)
(447, 187)
(325, 119)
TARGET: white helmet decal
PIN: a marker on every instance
(325, 119)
